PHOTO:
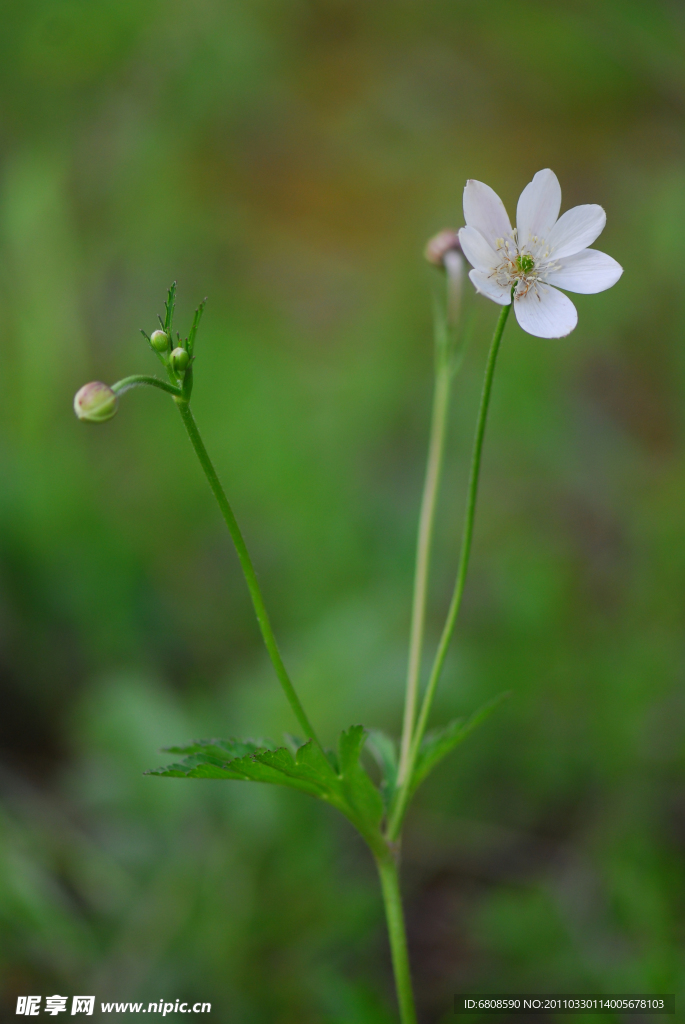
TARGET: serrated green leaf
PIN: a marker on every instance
(360, 792)
(216, 759)
(301, 774)
(222, 749)
(384, 751)
(278, 767)
(439, 742)
(199, 766)
(293, 743)
(350, 747)
(307, 769)
(311, 756)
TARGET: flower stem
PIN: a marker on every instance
(139, 379)
(247, 567)
(405, 790)
(436, 445)
(392, 900)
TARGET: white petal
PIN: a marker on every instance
(576, 229)
(484, 211)
(587, 272)
(477, 251)
(538, 209)
(545, 312)
(488, 287)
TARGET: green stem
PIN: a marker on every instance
(405, 790)
(392, 899)
(140, 378)
(247, 567)
(436, 445)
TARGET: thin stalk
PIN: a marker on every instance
(392, 900)
(404, 792)
(436, 446)
(139, 379)
(247, 567)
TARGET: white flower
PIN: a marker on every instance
(542, 251)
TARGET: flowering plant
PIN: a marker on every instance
(524, 267)
(543, 253)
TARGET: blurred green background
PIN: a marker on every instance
(289, 160)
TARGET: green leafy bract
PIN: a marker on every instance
(439, 742)
(344, 785)
(384, 752)
(360, 792)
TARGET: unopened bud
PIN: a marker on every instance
(159, 341)
(179, 360)
(95, 402)
(444, 250)
(440, 245)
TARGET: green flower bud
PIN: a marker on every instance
(179, 361)
(159, 341)
(95, 402)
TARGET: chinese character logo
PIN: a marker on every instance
(28, 1005)
(55, 1004)
(83, 1004)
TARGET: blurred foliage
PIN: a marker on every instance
(289, 160)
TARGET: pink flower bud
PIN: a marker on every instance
(95, 402)
(440, 245)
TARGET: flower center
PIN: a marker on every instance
(525, 264)
(521, 270)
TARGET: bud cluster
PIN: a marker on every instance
(177, 359)
(97, 402)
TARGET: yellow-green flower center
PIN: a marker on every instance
(525, 264)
